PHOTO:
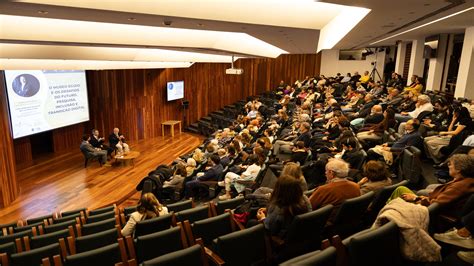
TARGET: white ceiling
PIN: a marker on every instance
(212, 30)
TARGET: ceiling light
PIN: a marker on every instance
(43, 12)
(131, 19)
(22, 28)
(46, 64)
(424, 25)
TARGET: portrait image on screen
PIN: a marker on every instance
(42, 100)
(175, 90)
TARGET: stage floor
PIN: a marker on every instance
(62, 183)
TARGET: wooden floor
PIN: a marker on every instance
(62, 183)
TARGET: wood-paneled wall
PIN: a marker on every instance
(8, 182)
(135, 100)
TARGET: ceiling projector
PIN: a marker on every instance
(234, 71)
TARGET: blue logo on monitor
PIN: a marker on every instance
(170, 86)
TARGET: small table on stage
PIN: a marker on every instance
(170, 123)
(129, 157)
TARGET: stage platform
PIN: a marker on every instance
(60, 182)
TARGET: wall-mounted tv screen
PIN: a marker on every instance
(175, 90)
(42, 100)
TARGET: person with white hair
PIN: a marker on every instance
(117, 140)
(337, 189)
(423, 104)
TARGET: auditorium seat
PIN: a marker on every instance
(36, 220)
(58, 226)
(93, 241)
(16, 237)
(35, 256)
(219, 207)
(6, 250)
(7, 228)
(75, 213)
(29, 227)
(47, 239)
(150, 246)
(304, 234)
(180, 206)
(348, 218)
(194, 214)
(108, 255)
(379, 201)
(99, 217)
(379, 246)
(326, 257)
(245, 247)
(92, 228)
(153, 225)
(108, 209)
(209, 229)
(88, 158)
(192, 256)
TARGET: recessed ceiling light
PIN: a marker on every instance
(200, 24)
(131, 19)
(42, 12)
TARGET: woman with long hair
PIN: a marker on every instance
(286, 202)
(148, 207)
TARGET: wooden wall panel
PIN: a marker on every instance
(135, 100)
(8, 182)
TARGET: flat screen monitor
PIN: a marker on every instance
(175, 90)
(42, 100)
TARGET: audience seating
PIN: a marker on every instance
(35, 256)
(79, 212)
(58, 226)
(108, 255)
(221, 206)
(304, 234)
(194, 214)
(149, 246)
(410, 167)
(153, 225)
(88, 158)
(380, 199)
(327, 257)
(91, 228)
(180, 206)
(209, 229)
(349, 216)
(47, 239)
(379, 246)
(99, 217)
(93, 241)
(192, 256)
(245, 247)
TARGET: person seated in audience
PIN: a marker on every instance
(423, 107)
(148, 207)
(212, 173)
(190, 166)
(376, 116)
(346, 79)
(376, 89)
(175, 183)
(224, 137)
(416, 86)
(439, 146)
(395, 80)
(470, 107)
(411, 138)
(287, 146)
(286, 202)
(438, 121)
(376, 176)
(91, 152)
(375, 132)
(281, 86)
(365, 110)
(117, 140)
(231, 178)
(299, 156)
(394, 97)
(365, 78)
(225, 159)
(98, 142)
(198, 156)
(408, 103)
(355, 77)
(337, 189)
(354, 102)
(450, 196)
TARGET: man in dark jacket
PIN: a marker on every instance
(98, 142)
(212, 174)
